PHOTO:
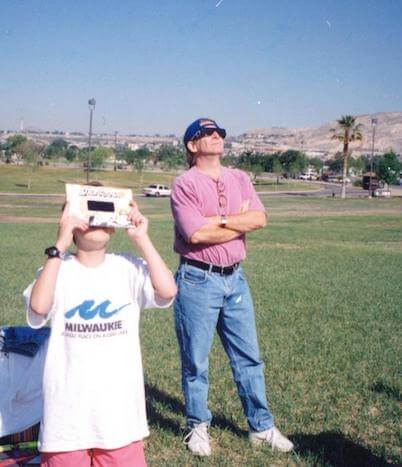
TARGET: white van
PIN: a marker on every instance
(157, 190)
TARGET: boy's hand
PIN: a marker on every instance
(139, 223)
(67, 225)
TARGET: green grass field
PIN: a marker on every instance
(326, 279)
(14, 179)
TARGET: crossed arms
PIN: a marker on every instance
(237, 225)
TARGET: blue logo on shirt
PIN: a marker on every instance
(88, 311)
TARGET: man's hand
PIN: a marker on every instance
(244, 207)
(67, 225)
(139, 224)
(243, 222)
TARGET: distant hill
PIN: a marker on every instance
(388, 135)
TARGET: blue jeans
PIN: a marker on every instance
(207, 301)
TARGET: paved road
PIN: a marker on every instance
(331, 190)
(34, 195)
(326, 190)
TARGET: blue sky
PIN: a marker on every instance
(153, 66)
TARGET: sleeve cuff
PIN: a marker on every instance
(36, 321)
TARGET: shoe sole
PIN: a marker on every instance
(199, 454)
(259, 442)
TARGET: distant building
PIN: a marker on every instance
(316, 153)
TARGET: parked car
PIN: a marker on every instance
(382, 193)
(308, 176)
(157, 190)
(332, 179)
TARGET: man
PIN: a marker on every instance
(213, 208)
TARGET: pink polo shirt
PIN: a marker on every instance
(195, 196)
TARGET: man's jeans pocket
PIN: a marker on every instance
(193, 276)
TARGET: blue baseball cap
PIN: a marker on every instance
(197, 129)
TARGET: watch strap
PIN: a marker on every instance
(224, 221)
(54, 252)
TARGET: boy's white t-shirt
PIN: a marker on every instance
(93, 384)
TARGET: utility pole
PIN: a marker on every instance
(91, 105)
(115, 150)
(374, 122)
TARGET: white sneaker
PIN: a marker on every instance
(197, 440)
(273, 437)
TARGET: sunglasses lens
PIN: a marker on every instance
(210, 131)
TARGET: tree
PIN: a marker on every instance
(98, 156)
(16, 141)
(31, 154)
(57, 148)
(142, 153)
(170, 156)
(253, 162)
(277, 168)
(125, 154)
(12, 145)
(229, 160)
(389, 168)
(71, 153)
(293, 162)
(138, 164)
(140, 156)
(317, 164)
(336, 164)
(347, 132)
(359, 164)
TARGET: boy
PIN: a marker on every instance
(94, 404)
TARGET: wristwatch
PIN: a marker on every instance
(224, 221)
(54, 252)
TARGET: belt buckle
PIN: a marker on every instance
(232, 268)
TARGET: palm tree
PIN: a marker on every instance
(347, 132)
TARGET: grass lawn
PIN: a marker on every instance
(14, 179)
(326, 279)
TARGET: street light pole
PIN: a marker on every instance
(91, 105)
(115, 150)
(374, 122)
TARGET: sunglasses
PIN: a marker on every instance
(222, 200)
(208, 132)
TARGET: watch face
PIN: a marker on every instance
(52, 252)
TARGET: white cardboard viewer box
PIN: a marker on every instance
(101, 206)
